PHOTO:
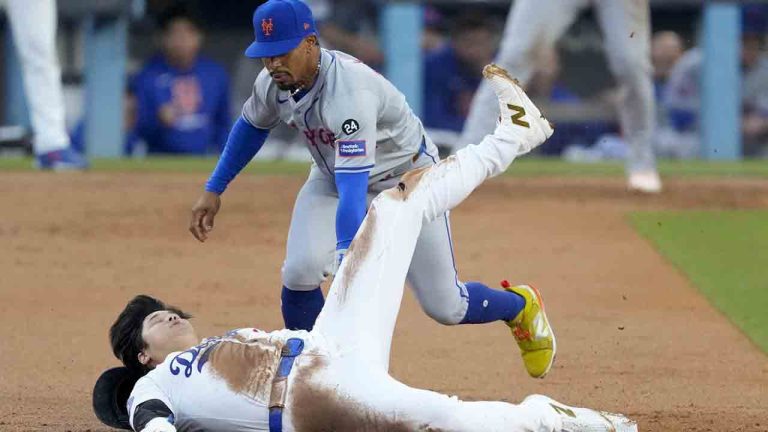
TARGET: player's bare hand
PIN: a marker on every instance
(203, 212)
(159, 424)
(167, 114)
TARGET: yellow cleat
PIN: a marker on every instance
(532, 331)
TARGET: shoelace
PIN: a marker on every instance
(522, 334)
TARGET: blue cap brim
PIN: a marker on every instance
(272, 49)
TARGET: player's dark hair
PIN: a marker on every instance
(125, 334)
(472, 21)
(177, 11)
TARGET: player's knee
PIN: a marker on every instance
(302, 274)
(631, 69)
(445, 315)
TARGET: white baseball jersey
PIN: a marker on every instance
(352, 118)
(222, 384)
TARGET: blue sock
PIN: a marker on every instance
(301, 308)
(487, 304)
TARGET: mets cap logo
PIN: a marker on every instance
(267, 27)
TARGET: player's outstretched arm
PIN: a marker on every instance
(244, 141)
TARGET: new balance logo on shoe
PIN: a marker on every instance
(563, 410)
(517, 117)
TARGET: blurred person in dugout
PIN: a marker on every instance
(450, 72)
(666, 49)
(182, 97)
(33, 23)
(433, 38)
(681, 137)
(576, 140)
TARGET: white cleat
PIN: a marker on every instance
(644, 181)
(584, 419)
(520, 120)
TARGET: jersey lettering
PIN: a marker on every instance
(319, 136)
(187, 358)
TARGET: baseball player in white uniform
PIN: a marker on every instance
(335, 378)
(33, 23)
(533, 26)
(363, 137)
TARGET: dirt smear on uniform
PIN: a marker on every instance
(357, 252)
(634, 336)
(318, 408)
(247, 368)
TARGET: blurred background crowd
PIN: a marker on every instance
(187, 77)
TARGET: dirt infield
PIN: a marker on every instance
(634, 336)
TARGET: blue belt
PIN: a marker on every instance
(291, 350)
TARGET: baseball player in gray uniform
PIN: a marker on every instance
(533, 25)
(363, 137)
(335, 378)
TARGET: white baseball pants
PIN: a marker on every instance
(33, 23)
(533, 25)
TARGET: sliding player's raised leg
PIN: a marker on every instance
(365, 296)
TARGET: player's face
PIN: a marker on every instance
(475, 47)
(181, 42)
(165, 332)
(295, 68)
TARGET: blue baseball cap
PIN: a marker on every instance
(279, 26)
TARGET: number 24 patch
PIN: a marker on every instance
(350, 126)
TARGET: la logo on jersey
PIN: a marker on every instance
(267, 26)
(350, 126)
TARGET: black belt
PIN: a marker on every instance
(290, 351)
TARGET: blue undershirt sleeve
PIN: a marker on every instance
(243, 143)
(353, 190)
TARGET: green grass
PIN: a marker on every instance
(695, 168)
(724, 253)
(166, 164)
(525, 167)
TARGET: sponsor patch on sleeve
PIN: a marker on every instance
(352, 148)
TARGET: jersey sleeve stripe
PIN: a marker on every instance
(353, 169)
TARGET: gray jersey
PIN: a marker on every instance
(352, 119)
